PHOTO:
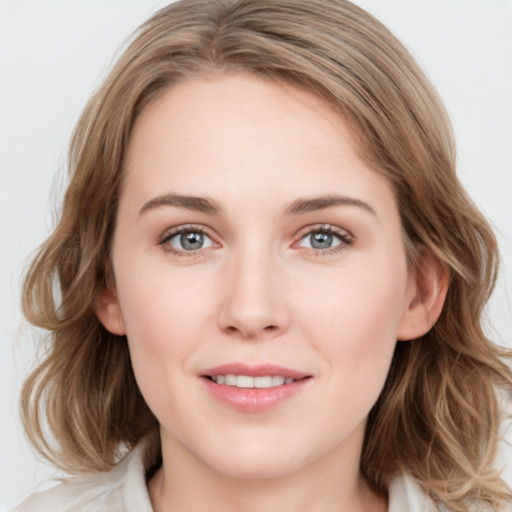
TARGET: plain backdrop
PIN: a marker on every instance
(53, 54)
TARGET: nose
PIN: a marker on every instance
(254, 304)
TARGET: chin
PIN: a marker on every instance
(256, 462)
(257, 470)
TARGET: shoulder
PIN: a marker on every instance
(406, 494)
(122, 489)
(73, 495)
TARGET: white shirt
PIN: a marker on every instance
(123, 489)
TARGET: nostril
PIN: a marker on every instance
(249, 333)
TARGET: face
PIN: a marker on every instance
(260, 276)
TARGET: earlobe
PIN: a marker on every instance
(429, 287)
(108, 311)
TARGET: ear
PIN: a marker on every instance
(108, 311)
(427, 288)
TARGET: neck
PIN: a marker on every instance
(185, 483)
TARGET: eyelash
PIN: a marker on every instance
(345, 240)
(189, 228)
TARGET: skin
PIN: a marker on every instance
(256, 292)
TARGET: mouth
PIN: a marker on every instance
(254, 388)
(249, 382)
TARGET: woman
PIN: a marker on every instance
(270, 279)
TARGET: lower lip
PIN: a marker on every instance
(254, 399)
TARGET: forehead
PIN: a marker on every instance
(228, 106)
(225, 134)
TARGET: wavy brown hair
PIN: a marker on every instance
(438, 416)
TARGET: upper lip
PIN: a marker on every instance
(254, 370)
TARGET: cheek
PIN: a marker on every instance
(162, 316)
(354, 320)
(158, 303)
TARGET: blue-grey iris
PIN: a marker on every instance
(321, 240)
(192, 241)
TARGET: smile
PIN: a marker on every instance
(254, 388)
(246, 381)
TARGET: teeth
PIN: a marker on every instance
(230, 380)
(246, 381)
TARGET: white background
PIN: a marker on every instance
(54, 52)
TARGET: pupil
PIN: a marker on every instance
(321, 240)
(192, 241)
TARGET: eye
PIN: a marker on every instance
(324, 239)
(187, 240)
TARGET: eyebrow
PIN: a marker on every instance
(298, 207)
(306, 205)
(198, 204)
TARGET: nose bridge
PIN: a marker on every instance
(253, 303)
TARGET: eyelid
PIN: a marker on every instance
(344, 235)
(177, 230)
(170, 233)
(329, 228)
